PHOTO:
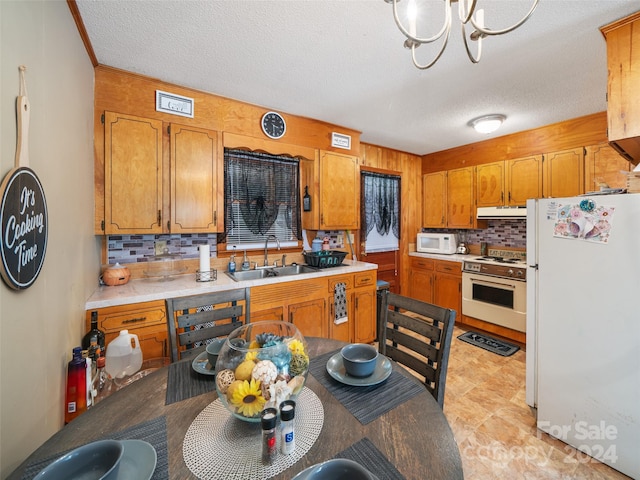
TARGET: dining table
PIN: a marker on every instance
(394, 428)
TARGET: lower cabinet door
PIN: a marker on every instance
(310, 317)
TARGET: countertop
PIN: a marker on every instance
(149, 289)
(456, 257)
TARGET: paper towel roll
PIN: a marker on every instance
(205, 264)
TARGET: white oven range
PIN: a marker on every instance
(494, 290)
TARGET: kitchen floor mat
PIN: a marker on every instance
(366, 403)
(184, 382)
(488, 343)
(366, 454)
(153, 431)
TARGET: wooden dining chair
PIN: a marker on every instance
(417, 335)
(195, 319)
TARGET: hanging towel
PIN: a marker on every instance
(340, 302)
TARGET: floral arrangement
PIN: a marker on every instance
(253, 375)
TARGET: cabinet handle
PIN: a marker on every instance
(135, 320)
(215, 218)
(159, 217)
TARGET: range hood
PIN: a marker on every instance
(487, 213)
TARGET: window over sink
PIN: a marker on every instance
(262, 198)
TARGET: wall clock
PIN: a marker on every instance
(273, 125)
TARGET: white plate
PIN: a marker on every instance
(201, 364)
(336, 369)
(138, 461)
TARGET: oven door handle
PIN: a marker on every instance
(490, 284)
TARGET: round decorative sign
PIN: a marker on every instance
(23, 218)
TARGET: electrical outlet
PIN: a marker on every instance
(340, 240)
(161, 245)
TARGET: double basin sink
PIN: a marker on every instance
(271, 272)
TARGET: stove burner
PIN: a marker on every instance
(500, 259)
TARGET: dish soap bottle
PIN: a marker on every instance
(232, 262)
(245, 262)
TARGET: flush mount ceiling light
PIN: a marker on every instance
(487, 123)
(467, 13)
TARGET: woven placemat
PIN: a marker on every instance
(153, 431)
(366, 403)
(220, 446)
(184, 382)
(366, 454)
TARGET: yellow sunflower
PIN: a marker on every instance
(296, 346)
(248, 399)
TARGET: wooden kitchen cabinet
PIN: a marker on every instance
(603, 164)
(523, 180)
(421, 279)
(461, 198)
(361, 308)
(133, 175)
(184, 197)
(309, 304)
(490, 184)
(563, 173)
(365, 304)
(308, 317)
(623, 96)
(434, 200)
(447, 285)
(509, 182)
(147, 320)
(196, 181)
(339, 191)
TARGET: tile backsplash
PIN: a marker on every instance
(504, 233)
(141, 248)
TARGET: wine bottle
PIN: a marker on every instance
(95, 331)
(76, 395)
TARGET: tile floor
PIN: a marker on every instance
(495, 428)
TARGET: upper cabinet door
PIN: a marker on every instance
(194, 180)
(339, 191)
(461, 197)
(490, 184)
(434, 204)
(564, 173)
(523, 180)
(623, 95)
(133, 174)
(604, 166)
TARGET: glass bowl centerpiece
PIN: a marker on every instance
(260, 365)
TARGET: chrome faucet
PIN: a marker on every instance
(266, 249)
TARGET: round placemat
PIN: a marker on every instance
(218, 445)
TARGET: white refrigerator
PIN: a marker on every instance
(583, 324)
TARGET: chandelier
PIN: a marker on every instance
(467, 13)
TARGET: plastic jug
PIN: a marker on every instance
(124, 356)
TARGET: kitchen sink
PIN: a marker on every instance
(270, 272)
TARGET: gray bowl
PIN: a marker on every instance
(94, 461)
(336, 469)
(213, 349)
(359, 359)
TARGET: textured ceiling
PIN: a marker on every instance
(342, 61)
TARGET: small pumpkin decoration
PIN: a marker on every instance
(116, 275)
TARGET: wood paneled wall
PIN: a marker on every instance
(409, 167)
(578, 132)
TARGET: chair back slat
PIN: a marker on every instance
(192, 336)
(186, 320)
(194, 319)
(417, 335)
(399, 337)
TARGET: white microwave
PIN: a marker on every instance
(445, 243)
